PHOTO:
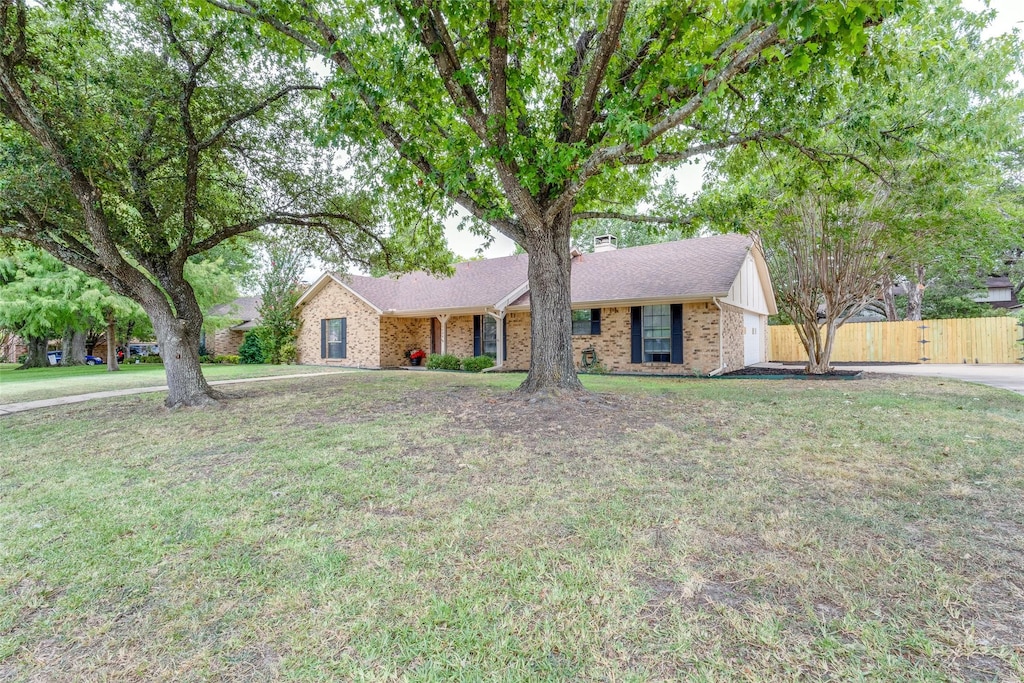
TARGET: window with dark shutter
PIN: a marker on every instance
(582, 321)
(637, 334)
(677, 333)
(595, 321)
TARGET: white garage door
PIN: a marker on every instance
(752, 338)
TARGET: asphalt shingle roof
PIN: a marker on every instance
(475, 284)
(704, 266)
(247, 308)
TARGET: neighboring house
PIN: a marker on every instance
(226, 341)
(698, 305)
(998, 293)
(12, 347)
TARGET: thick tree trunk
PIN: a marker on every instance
(72, 347)
(552, 367)
(36, 353)
(112, 365)
(179, 350)
(915, 294)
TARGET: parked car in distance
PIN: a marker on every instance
(143, 349)
(55, 357)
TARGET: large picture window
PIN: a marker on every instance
(658, 334)
(336, 338)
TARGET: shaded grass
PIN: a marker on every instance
(33, 384)
(417, 526)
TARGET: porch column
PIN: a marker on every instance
(499, 336)
(443, 319)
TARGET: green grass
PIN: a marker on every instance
(40, 383)
(422, 527)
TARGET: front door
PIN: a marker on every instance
(435, 336)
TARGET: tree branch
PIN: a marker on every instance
(697, 150)
(569, 85)
(609, 41)
(251, 111)
(497, 29)
(737, 64)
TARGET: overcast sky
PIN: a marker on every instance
(1010, 15)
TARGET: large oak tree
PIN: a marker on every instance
(136, 136)
(533, 114)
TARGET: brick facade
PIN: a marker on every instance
(614, 344)
(733, 329)
(225, 342)
(376, 341)
(398, 335)
(363, 328)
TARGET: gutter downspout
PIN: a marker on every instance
(721, 359)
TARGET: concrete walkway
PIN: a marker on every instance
(1002, 376)
(11, 408)
(1009, 377)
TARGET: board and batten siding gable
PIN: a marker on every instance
(362, 326)
(747, 291)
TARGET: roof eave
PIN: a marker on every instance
(643, 301)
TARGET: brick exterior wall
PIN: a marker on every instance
(225, 342)
(460, 335)
(733, 329)
(379, 341)
(398, 335)
(614, 344)
(362, 328)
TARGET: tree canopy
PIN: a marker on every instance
(533, 114)
(136, 136)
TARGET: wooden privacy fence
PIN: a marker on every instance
(981, 340)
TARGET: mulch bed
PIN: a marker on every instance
(790, 373)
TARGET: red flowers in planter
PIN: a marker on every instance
(417, 354)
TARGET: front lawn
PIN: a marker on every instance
(38, 383)
(419, 526)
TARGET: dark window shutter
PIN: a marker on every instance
(344, 337)
(595, 321)
(677, 333)
(323, 338)
(476, 335)
(504, 338)
(637, 317)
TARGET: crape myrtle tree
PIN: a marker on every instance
(828, 257)
(136, 136)
(532, 114)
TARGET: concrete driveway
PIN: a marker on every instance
(1003, 376)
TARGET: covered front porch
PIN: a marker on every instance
(462, 333)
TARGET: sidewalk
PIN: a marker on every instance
(11, 408)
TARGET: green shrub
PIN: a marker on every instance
(151, 358)
(477, 363)
(226, 360)
(205, 357)
(288, 353)
(251, 350)
(443, 361)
